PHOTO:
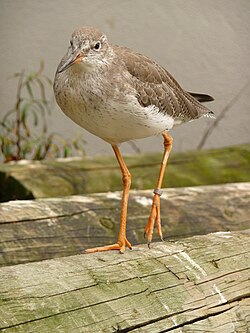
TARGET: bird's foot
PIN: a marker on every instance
(154, 218)
(120, 246)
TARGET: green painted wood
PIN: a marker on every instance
(34, 230)
(29, 179)
(197, 284)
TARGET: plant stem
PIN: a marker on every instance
(18, 117)
(221, 116)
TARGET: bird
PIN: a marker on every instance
(120, 95)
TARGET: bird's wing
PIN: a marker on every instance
(155, 86)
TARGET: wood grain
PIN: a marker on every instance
(34, 230)
(197, 284)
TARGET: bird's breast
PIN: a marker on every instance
(115, 116)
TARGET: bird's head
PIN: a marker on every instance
(88, 47)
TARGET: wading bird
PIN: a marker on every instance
(119, 95)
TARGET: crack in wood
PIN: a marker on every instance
(16, 240)
(176, 326)
(192, 321)
(76, 309)
(47, 218)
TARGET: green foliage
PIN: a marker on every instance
(24, 129)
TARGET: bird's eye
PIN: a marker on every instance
(97, 46)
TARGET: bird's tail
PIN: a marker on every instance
(202, 97)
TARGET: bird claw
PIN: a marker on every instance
(120, 246)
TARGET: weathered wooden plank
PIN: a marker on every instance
(40, 179)
(195, 284)
(49, 228)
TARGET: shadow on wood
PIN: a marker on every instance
(47, 228)
(195, 284)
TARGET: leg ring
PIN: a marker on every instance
(157, 191)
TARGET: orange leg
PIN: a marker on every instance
(154, 216)
(122, 240)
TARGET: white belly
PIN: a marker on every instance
(116, 123)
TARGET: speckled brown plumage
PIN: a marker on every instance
(155, 85)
